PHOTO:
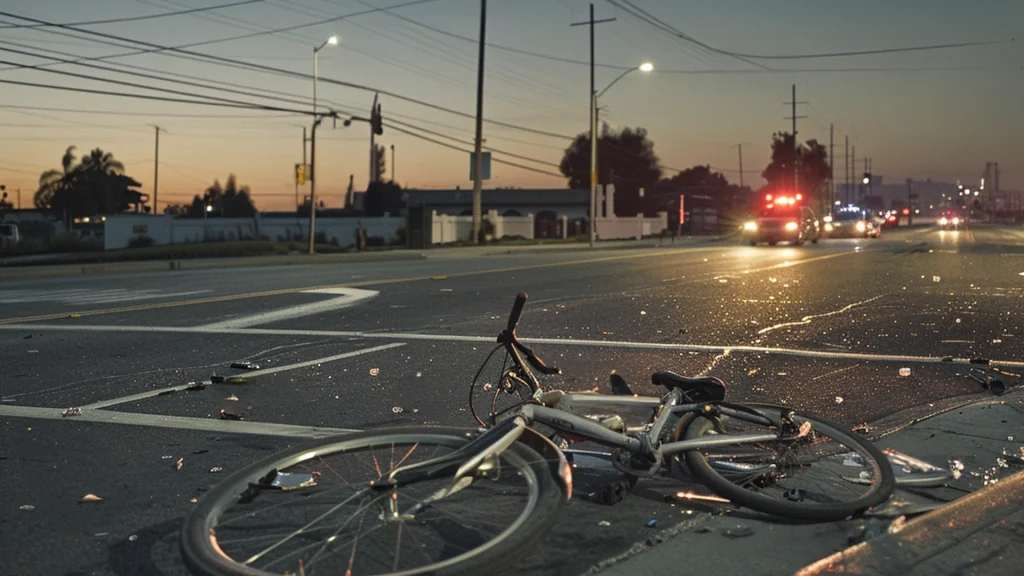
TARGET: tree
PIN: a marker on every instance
(383, 197)
(380, 156)
(228, 201)
(176, 210)
(625, 158)
(703, 188)
(813, 166)
(96, 185)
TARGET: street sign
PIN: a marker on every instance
(486, 171)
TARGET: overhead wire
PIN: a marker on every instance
(139, 18)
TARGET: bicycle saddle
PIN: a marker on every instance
(706, 389)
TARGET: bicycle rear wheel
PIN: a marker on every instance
(310, 510)
(825, 474)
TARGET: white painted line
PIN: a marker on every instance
(176, 422)
(264, 372)
(349, 297)
(712, 349)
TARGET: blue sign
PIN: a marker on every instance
(485, 171)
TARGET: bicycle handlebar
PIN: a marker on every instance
(509, 338)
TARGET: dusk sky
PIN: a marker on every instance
(937, 114)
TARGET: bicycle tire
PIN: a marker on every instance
(880, 490)
(200, 549)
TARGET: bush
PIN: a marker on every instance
(141, 242)
(399, 236)
(71, 242)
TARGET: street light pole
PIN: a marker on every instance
(312, 145)
(478, 163)
(392, 162)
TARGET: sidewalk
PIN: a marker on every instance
(980, 532)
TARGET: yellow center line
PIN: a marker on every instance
(365, 283)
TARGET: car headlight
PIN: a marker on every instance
(956, 221)
(943, 221)
(750, 226)
(791, 226)
(828, 227)
(861, 226)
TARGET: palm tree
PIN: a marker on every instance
(53, 183)
(102, 162)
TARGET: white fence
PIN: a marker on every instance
(447, 228)
(119, 230)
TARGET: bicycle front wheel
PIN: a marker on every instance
(310, 510)
(821, 473)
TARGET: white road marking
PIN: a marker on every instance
(709, 348)
(254, 373)
(807, 319)
(176, 422)
(348, 297)
(75, 296)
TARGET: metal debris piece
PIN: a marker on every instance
(839, 399)
(133, 538)
(643, 312)
(73, 411)
(179, 463)
(101, 534)
(91, 498)
(245, 365)
(216, 469)
(26, 507)
(398, 409)
(936, 278)
(604, 523)
(904, 372)
(232, 398)
(374, 371)
(419, 374)
(652, 523)
(289, 481)
(225, 415)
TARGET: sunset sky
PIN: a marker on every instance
(938, 113)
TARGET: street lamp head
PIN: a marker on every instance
(867, 180)
(209, 208)
(646, 67)
(333, 40)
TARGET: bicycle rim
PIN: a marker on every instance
(826, 474)
(338, 525)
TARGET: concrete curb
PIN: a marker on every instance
(905, 546)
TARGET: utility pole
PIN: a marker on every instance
(373, 146)
(796, 142)
(156, 168)
(853, 175)
(741, 165)
(831, 166)
(478, 162)
(910, 204)
(846, 169)
(392, 163)
(868, 183)
(592, 98)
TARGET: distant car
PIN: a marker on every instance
(783, 219)
(9, 234)
(950, 221)
(851, 223)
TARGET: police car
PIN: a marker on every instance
(783, 219)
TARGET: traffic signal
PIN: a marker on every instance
(376, 122)
(300, 174)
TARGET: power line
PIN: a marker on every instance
(126, 113)
(137, 18)
(207, 58)
(741, 55)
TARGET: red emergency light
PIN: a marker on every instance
(768, 197)
(906, 211)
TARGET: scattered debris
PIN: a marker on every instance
(232, 398)
(446, 289)
(289, 481)
(245, 365)
(604, 523)
(194, 500)
(419, 374)
(839, 399)
(91, 498)
(864, 428)
(740, 531)
(216, 469)
(133, 538)
(643, 312)
(33, 351)
(374, 371)
(101, 534)
(166, 457)
(783, 373)
(398, 409)
(26, 507)
(997, 341)
(652, 523)
(753, 371)
(197, 385)
(958, 320)
(225, 415)
(179, 463)
(215, 379)
(936, 278)
(200, 451)
(904, 372)
(957, 468)
(70, 412)
(898, 524)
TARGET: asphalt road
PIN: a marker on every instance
(824, 328)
